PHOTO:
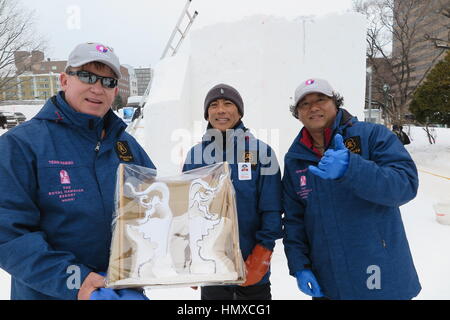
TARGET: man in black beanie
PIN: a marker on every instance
(258, 191)
(223, 91)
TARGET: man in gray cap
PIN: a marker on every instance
(343, 183)
(258, 190)
(58, 182)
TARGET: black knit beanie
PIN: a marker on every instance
(223, 91)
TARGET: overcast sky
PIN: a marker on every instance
(138, 30)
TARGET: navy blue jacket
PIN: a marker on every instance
(57, 185)
(349, 231)
(258, 200)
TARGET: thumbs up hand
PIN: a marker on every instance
(334, 162)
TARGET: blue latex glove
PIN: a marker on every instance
(307, 283)
(123, 294)
(334, 162)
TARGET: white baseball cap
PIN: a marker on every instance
(89, 52)
(314, 85)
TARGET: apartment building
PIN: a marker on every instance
(143, 76)
(425, 18)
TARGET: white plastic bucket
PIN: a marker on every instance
(442, 211)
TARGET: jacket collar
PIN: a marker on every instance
(229, 138)
(58, 110)
(301, 150)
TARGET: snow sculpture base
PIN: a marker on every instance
(178, 231)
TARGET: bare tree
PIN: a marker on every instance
(441, 42)
(395, 31)
(16, 34)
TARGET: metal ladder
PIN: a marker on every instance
(177, 30)
(171, 46)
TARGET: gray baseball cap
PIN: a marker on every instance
(89, 52)
(313, 86)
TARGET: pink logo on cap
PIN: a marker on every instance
(102, 48)
(309, 82)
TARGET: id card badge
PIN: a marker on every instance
(245, 171)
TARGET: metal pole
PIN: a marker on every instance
(369, 70)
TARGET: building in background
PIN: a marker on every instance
(30, 86)
(132, 80)
(144, 76)
(422, 44)
(124, 84)
(35, 79)
(38, 86)
(426, 49)
(49, 66)
(420, 38)
(27, 61)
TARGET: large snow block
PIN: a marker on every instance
(265, 58)
(167, 115)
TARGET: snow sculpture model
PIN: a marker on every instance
(207, 231)
(176, 231)
(151, 236)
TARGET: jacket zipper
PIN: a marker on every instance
(97, 147)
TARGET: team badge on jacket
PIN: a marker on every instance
(353, 144)
(249, 157)
(124, 152)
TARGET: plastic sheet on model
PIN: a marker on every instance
(176, 231)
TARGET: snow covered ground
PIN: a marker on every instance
(429, 240)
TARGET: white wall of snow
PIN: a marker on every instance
(265, 58)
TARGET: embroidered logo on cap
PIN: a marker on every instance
(309, 82)
(222, 91)
(101, 48)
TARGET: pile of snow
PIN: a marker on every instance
(432, 157)
(428, 239)
(29, 111)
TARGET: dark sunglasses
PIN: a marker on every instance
(91, 78)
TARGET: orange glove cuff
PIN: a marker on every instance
(257, 264)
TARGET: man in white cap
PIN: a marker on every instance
(343, 183)
(58, 177)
